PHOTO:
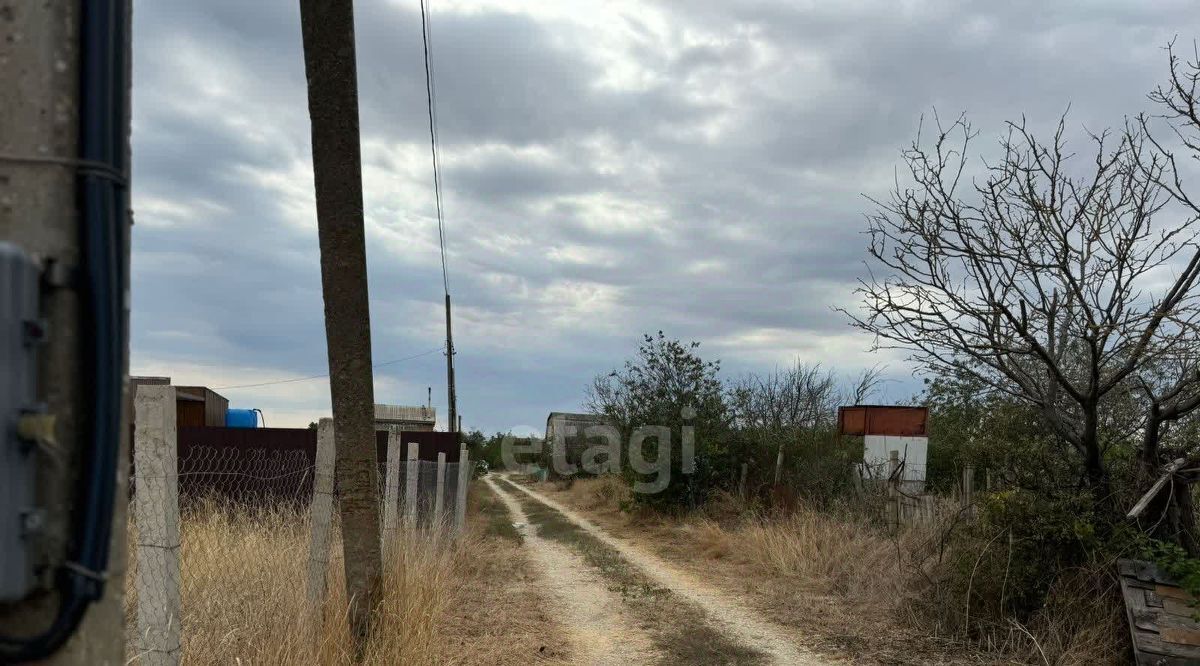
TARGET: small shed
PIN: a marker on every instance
(887, 428)
(567, 424)
(200, 406)
(195, 406)
(568, 436)
(404, 418)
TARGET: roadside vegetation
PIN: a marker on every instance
(850, 586)
(1023, 574)
(469, 601)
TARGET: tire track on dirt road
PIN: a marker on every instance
(601, 633)
(725, 612)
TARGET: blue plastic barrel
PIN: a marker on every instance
(241, 418)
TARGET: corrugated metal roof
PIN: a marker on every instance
(420, 414)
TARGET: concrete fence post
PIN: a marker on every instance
(968, 485)
(742, 482)
(410, 486)
(894, 488)
(391, 495)
(156, 510)
(778, 465)
(460, 501)
(439, 500)
(321, 518)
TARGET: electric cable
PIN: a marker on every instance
(304, 379)
(431, 109)
(104, 208)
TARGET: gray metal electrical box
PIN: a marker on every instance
(21, 332)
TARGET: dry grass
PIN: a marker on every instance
(244, 595)
(827, 554)
(855, 573)
(1082, 622)
(804, 545)
(604, 493)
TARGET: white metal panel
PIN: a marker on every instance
(913, 453)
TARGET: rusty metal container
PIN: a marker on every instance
(893, 420)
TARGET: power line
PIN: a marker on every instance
(431, 108)
(304, 379)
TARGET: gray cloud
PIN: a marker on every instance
(696, 167)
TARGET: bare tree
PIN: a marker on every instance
(803, 396)
(800, 396)
(1059, 280)
(865, 385)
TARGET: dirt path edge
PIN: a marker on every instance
(726, 612)
(600, 633)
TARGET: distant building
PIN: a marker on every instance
(195, 406)
(567, 436)
(885, 429)
(404, 418)
(566, 424)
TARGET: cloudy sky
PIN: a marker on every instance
(610, 168)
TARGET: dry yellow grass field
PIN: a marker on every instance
(445, 601)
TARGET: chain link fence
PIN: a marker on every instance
(240, 527)
(221, 539)
(426, 492)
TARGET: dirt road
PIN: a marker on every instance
(600, 631)
(741, 636)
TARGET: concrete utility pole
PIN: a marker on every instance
(452, 399)
(329, 59)
(39, 174)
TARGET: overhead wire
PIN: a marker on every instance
(431, 109)
(439, 199)
(321, 376)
